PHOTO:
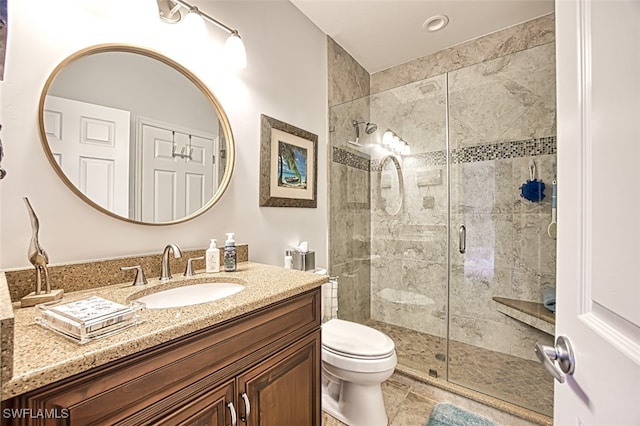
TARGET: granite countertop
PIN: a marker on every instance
(41, 356)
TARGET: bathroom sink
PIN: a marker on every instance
(190, 295)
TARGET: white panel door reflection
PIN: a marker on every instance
(177, 175)
(91, 145)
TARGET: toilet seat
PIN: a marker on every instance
(351, 340)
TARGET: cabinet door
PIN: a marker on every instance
(283, 390)
(213, 408)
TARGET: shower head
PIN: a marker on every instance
(368, 129)
(371, 127)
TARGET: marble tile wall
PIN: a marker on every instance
(510, 40)
(508, 98)
(349, 189)
(348, 80)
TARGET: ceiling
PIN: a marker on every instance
(381, 34)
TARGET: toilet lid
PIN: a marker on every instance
(350, 338)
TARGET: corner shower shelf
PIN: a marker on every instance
(530, 313)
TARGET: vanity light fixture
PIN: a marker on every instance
(234, 50)
(394, 143)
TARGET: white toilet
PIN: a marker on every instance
(356, 359)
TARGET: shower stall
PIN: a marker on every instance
(436, 247)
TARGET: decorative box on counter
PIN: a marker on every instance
(87, 319)
(304, 261)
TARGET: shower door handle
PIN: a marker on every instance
(462, 239)
(557, 359)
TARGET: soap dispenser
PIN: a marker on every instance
(230, 253)
(213, 257)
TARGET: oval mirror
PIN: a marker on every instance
(136, 135)
(390, 185)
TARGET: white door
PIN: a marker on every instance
(178, 173)
(91, 145)
(598, 294)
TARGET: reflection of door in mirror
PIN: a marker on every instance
(91, 145)
(178, 172)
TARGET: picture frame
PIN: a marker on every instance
(288, 165)
(4, 19)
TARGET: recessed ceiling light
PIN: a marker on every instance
(435, 23)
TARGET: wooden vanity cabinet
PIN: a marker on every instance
(262, 367)
(213, 408)
(280, 390)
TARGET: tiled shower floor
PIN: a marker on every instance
(506, 377)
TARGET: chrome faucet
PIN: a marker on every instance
(166, 269)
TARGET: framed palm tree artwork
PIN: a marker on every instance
(288, 165)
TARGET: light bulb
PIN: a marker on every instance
(395, 143)
(195, 27)
(235, 52)
(387, 138)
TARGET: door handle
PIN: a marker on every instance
(247, 407)
(232, 410)
(557, 359)
(462, 239)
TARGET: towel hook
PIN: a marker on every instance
(532, 169)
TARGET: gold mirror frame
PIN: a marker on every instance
(125, 48)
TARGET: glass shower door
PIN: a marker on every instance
(501, 121)
(409, 243)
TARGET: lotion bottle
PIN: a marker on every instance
(230, 253)
(213, 257)
(288, 259)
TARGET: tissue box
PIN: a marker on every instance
(304, 261)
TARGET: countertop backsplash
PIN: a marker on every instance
(100, 273)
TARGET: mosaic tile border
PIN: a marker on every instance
(471, 154)
(348, 158)
(505, 150)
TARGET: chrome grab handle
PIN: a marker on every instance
(557, 359)
(232, 410)
(247, 407)
(462, 239)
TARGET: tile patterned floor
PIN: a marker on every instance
(409, 403)
(398, 398)
(519, 381)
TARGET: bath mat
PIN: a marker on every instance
(445, 414)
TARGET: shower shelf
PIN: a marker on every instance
(530, 313)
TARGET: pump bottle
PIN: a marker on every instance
(213, 257)
(230, 264)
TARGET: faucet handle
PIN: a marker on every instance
(140, 279)
(188, 272)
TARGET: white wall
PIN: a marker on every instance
(285, 79)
